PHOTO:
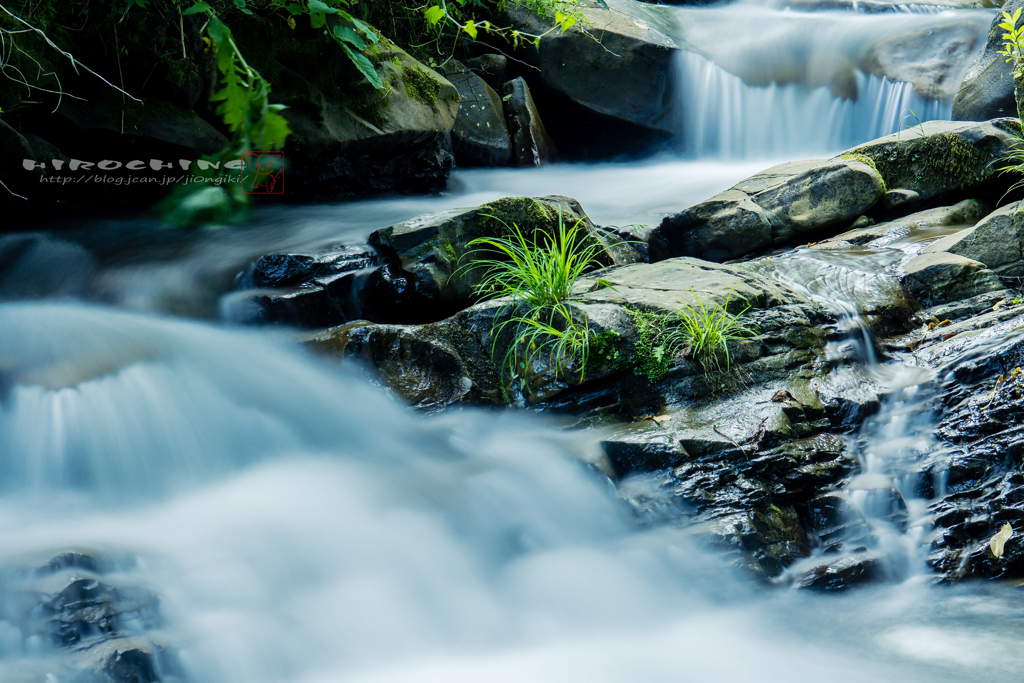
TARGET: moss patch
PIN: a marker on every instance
(422, 87)
(943, 159)
(865, 159)
(498, 217)
(651, 358)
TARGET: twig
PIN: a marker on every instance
(15, 194)
(735, 443)
(74, 62)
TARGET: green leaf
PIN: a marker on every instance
(433, 14)
(346, 34)
(197, 8)
(275, 130)
(240, 4)
(318, 7)
(370, 34)
(365, 66)
(317, 20)
(470, 28)
(295, 8)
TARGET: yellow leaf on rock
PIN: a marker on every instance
(1000, 539)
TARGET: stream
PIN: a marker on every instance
(299, 525)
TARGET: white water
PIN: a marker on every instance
(762, 81)
(311, 532)
(720, 115)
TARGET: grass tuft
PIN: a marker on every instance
(537, 273)
(703, 332)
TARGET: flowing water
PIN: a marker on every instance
(299, 526)
(764, 81)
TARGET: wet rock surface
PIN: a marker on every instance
(96, 626)
(531, 144)
(769, 209)
(480, 135)
(986, 91)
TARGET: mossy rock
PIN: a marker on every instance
(941, 157)
(434, 253)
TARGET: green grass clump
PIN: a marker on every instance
(703, 332)
(537, 274)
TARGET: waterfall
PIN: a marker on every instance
(758, 81)
(719, 115)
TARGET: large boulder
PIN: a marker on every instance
(433, 254)
(933, 60)
(622, 71)
(770, 209)
(986, 91)
(941, 277)
(941, 157)
(365, 141)
(626, 310)
(417, 271)
(480, 136)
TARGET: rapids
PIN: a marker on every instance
(299, 525)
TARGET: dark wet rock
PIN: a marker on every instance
(787, 321)
(757, 505)
(943, 157)
(318, 289)
(284, 270)
(418, 365)
(625, 77)
(531, 144)
(490, 67)
(986, 91)
(770, 209)
(101, 628)
(844, 572)
(432, 251)
(87, 608)
(837, 523)
(416, 271)
(480, 136)
(941, 277)
(131, 660)
(642, 454)
(163, 123)
(366, 142)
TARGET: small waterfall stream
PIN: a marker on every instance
(759, 81)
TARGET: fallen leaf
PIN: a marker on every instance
(1000, 539)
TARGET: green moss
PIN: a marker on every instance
(865, 159)
(964, 160)
(450, 256)
(651, 358)
(497, 217)
(422, 87)
(606, 349)
(930, 160)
